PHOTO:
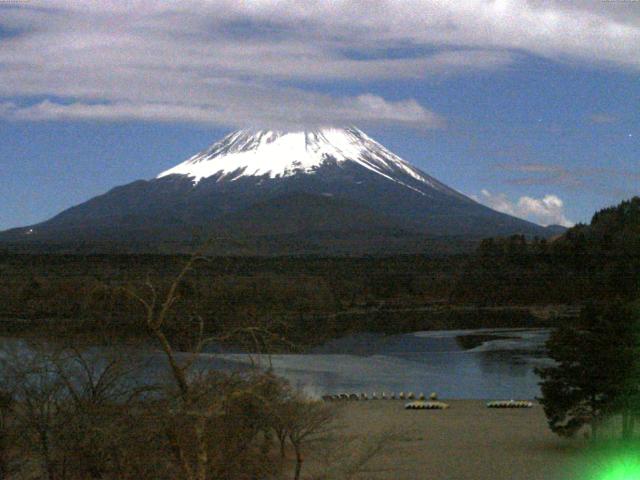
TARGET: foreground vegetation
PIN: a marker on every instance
(72, 413)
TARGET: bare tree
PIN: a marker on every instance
(68, 407)
(306, 420)
(198, 400)
(7, 404)
(40, 395)
(102, 390)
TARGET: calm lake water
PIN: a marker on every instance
(480, 364)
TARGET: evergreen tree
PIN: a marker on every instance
(596, 371)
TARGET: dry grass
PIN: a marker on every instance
(467, 441)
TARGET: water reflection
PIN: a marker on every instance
(455, 364)
(499, 364)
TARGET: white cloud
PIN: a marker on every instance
(229, 62)
(548, 210)
(316, 110)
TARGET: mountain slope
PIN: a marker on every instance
(319, 183)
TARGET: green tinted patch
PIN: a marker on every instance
(625, 467)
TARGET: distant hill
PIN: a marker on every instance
(587, 262)
(615, 230)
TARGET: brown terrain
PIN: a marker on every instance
(466, 441)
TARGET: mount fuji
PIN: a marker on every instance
(330, 190)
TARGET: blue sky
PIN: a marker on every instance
(530, 107)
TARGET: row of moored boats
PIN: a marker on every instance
(420, 402)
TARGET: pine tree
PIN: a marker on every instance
(596, 371)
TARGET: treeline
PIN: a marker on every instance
(331, 295)
(291, 283)
(600, 261)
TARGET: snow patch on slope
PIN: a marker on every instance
(277, 154)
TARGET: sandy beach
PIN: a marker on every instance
(466, 441)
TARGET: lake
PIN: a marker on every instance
(465, 364)
(481, 364)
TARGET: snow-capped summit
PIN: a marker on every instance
(324, 191)
(278, 154)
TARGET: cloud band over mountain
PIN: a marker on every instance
(231, 63)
